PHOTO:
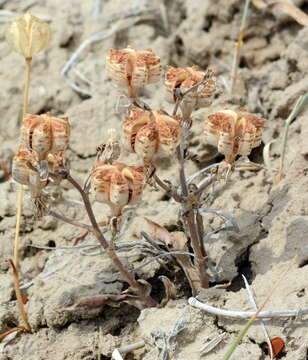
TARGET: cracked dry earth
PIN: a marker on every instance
(273, 219)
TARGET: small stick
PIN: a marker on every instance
(237, 53)
(245, 314)
(299, 106)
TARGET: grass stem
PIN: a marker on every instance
(238, 47)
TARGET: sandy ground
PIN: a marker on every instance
(273, 219)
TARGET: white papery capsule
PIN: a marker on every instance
(234, 133)
(117, 184)
(151, 134)
(133, 69)
(44, 134)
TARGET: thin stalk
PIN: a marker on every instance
(70, 221)
(299, 106)
(20, 194)
(17, 328)
(238, 47)
(190, 218)
(127, 275)
(20, 304)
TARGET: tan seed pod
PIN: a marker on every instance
(117, 185)
(28, 35)
(133, 69)
(184, 79)
(151, 134)
(21, 167)
(234, 133)
(44, 134)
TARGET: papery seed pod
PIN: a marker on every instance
(28, 35)
(184, 79)
(22, 171)
(117, 185)
(44, 134)
(151, 134)
(133, 69)
(234, 133)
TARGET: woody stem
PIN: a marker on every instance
(127, 275)
(190, 219)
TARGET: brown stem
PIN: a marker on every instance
(190, 219)
(8, 332)
(20, 303)
(127, 275)
(70, 221)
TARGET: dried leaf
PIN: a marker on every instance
(159, 233)
(176, 241)
(289, 9)
(170, 289)
(186, 263)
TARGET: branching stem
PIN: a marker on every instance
(127, 275)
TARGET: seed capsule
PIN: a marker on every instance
(234, 133)
(151, 134)
(133, 69)
(28, 35)
(184, 79)
(117, 185)
(44, 134)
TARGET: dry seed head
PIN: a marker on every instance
(151, 134)
(44, 134)
(133, 69)
(184, 79)
(117, 184)
(28, 35)
(234, 133)
(24, 172)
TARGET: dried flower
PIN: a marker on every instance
(25, 171)
(28, 35)
(117, 185)
(234, 133)
(184, 79)
(44, 134)
(133, 69)
(151, 134)
(111, 150)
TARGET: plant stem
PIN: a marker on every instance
(127, 275)
(20, 194)
(70, 221)
(299, 106)
(237, 53)
(190, 218)
(20, 304)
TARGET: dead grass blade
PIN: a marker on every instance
(287, 8)
(17, 328)
(299, 106)
(20, 303)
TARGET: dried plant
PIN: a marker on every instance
(151, 134)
